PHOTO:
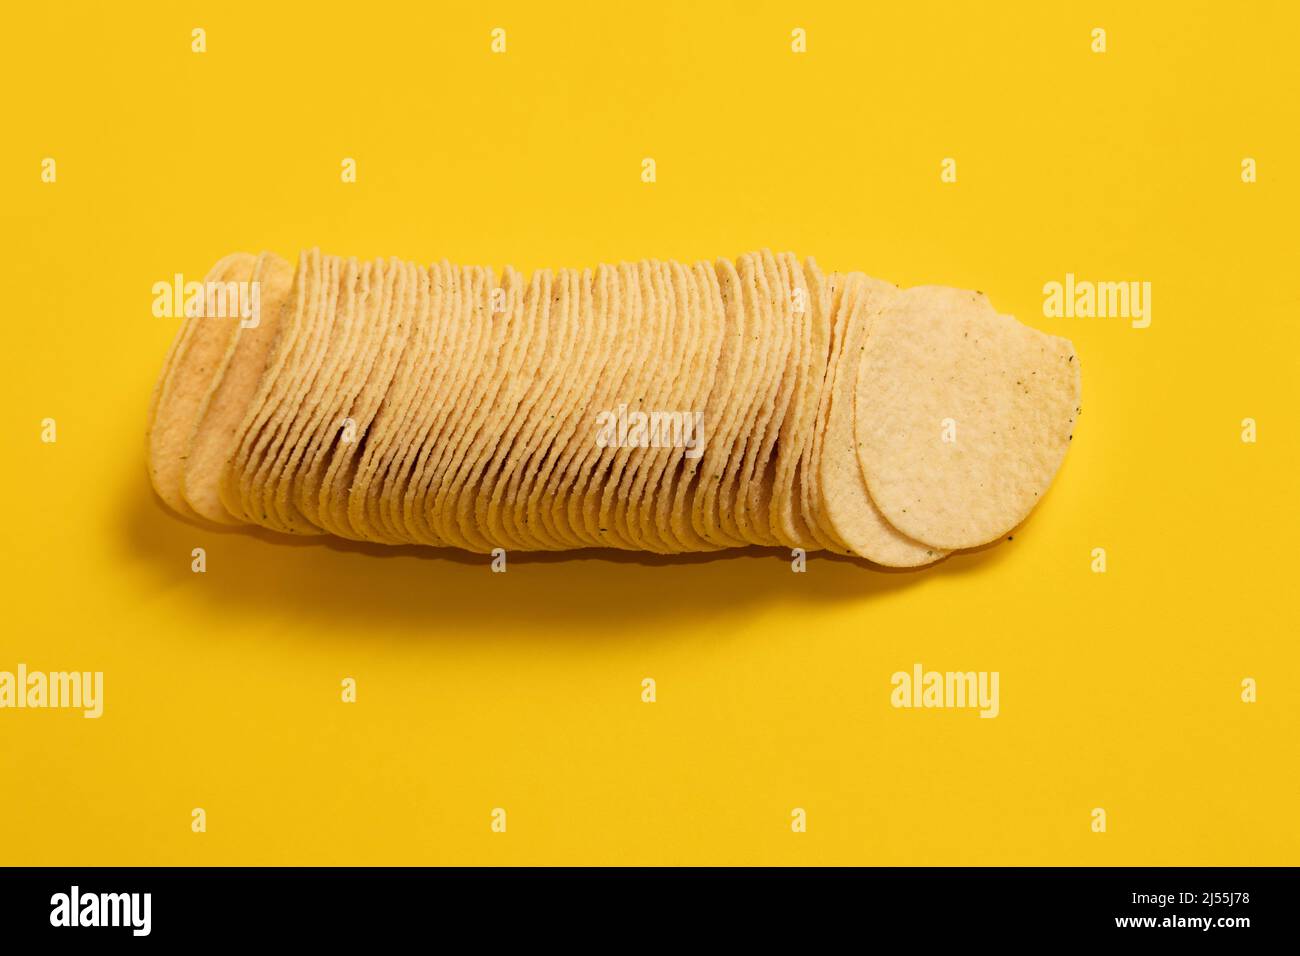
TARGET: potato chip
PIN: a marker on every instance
(193, 363)
(302, 398)
(402, 341)
(607, 511)
(815, 514)
(784, 517)
(731, 501)
(807, 479)
(499, 406)
(853, 516)
(533, 372)
(507, 517)
(600, 463)
(212, 440)
(681, 427)
(239, 495)
(755, 493)
(407, 486)
(366, 324)
(338, 351)
(540, 501)
(375, 506)
(715, 502)
(721, 408)
(963, 416)
(554, 502)
(716, 366)
(655, 432)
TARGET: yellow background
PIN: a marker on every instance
(478, 690)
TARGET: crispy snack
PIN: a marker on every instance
(653, 406)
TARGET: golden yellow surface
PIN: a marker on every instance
(1118, 690)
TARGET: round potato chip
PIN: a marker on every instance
(758, 475)
(847, 504)
(404, 338)
(403, 425)
(518, 371)
(607, 511)
(304, 394)
(785, 517)
(534, 373)
(550, 305)
(962, 416)
(556, 500)
(248, 442)
(441, 441)
(718, 366)
(723, 412)
(561, 440)
(195, 361)
(829, 300)
(213, 439)
(499, 408)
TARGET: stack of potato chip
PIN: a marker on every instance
(444, 405)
